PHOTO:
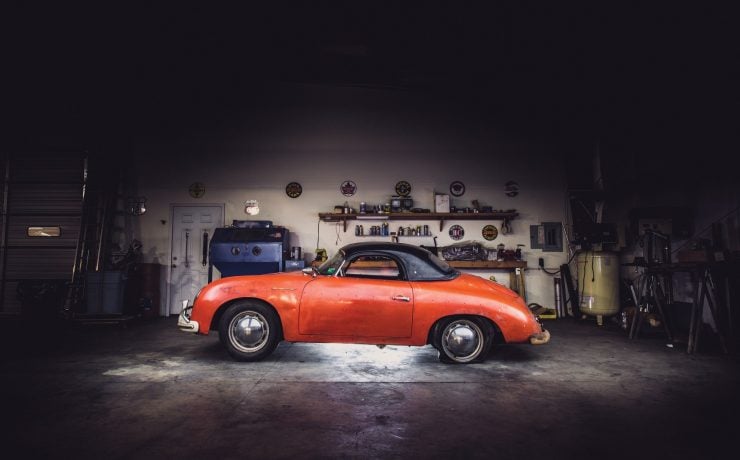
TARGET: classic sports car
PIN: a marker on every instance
(372, 293)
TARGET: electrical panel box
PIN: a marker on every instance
(547, 236)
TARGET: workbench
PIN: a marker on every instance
(514, 267)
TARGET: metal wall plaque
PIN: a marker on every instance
(197, 189)
(511, 188)
(457, 232)
(457, 188)
(293, 189)
(490, 232)
(403, 188)
(348, 188)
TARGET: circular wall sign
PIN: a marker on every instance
(197, 189)
(457, 232)
(403, 188)
(293, 189)
(457, 188)
(511, 188)
(489, 232)
(348, 188)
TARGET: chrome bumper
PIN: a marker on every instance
(540, 338)
(184, 322)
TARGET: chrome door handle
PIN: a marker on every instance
(401, 298)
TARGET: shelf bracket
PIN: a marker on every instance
(441, 224)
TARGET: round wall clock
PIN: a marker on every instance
(293, 189)
(403, 188)
(457, 188)
(457, 232)
(489, 232)
(197, 189)
(348, 188)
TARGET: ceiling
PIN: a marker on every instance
(619, 71)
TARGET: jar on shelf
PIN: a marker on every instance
(501, 252)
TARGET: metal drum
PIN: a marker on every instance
(598, 281)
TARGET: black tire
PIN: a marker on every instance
(463, 339)
(250, 330)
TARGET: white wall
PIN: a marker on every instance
(320, 137)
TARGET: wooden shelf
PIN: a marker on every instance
(440, 216)
(468, 264)
(483, 264)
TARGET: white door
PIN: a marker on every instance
(192, 229)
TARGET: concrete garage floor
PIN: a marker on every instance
(151, 391)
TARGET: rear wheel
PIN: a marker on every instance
(463, 340)
(249, 330)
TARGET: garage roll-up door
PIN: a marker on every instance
(42, 205)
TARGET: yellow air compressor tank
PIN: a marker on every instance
(598, 283)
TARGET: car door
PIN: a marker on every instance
(369, 297)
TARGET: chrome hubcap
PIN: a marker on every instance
(248, 331)
(462, 340)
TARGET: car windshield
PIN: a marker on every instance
(331, 266)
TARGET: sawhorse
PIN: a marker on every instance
(704, 292)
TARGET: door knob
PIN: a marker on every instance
(173, 265)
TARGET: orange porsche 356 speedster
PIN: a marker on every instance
(370, 293)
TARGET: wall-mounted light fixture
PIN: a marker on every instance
(136, 205)
(251, 207)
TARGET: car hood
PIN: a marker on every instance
(254, 284)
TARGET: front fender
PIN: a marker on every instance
(281, 290)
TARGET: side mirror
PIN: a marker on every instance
(310, 271)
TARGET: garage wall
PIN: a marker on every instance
(321, 136)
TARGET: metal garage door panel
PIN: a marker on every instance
(46, 168)
(11, 303)
(49, 199)
(39, 263)
(18, 230)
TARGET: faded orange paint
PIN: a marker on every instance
(371, 311)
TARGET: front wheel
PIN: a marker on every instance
(249, 330)
(463, 340)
